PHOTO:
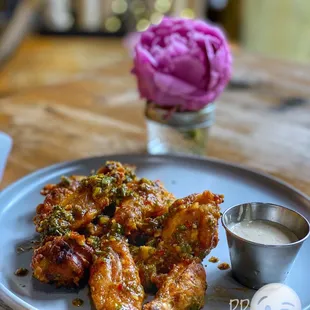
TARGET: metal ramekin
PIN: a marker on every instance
(253, 264)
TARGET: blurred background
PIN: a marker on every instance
(51, 40)
(65, 73)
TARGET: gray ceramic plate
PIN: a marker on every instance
(182, 176)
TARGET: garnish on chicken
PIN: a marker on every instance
(65, 209)
(147, 201)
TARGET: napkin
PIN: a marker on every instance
(5, 148)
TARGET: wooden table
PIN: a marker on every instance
(91, 107)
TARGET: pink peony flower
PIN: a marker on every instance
(182, 62)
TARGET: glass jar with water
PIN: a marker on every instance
(178, 132)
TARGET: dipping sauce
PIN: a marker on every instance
(264, 232)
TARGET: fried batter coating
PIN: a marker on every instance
(64, 209)
(146, 200)
(183, 289)
(63, 260)
(70, 183)
(114, 279)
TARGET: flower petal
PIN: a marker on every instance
(143, 56)
(172, 85)
(182, 62)
(189, 69)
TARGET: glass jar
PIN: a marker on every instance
(178, 132)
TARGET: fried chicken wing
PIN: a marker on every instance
(63, 260)
(146, 200)
(114, 280)
(66, 209)
(127, 235)
(191, 226)
(183, 289)
(190, 232)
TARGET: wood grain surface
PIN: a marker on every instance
(64, 99)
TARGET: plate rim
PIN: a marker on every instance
(14, 301)
(225, 163)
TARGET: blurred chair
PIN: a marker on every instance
(18, 26)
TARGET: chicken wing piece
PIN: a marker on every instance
(191, 226)
(66, 209)
(183, 289)
(114, 280)
(63, 260)
(147, 201)
(190, 232)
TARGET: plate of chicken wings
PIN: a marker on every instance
(128, 232)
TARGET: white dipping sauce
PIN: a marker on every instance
(264, 232)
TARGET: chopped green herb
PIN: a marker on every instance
(186, 248)
(118, 307)
(65, 181)
(182, 227)
(94, 242)
(194, 307)
(117, 228)
(97, 191)
(57, 223)
(103, 220)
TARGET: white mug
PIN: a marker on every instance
(5, 148)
